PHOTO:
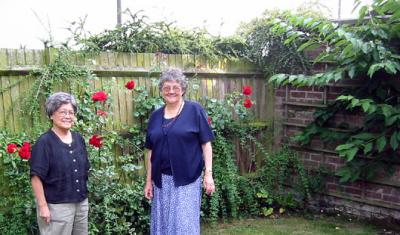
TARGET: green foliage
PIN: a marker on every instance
(225, 201)
(281, 170)
(137, 35)
(281, 184)
(365, 51)
(274, 52)
(115, 207)
(17, 206)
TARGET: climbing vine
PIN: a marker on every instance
(366, 51)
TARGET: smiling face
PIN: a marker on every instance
(172, 92)
(64, 117)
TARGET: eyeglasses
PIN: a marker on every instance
(168, 88)
(64, 113)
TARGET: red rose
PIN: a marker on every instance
(99, 96)
(209, 120)
(96, 141)
(130, 85)
(247, 90)
(12, 148)
(25, 151)
(247, 103)
(102, 113)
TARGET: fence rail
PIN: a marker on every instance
(216, 79)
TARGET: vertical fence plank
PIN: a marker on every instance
(2, 112)
(21, 57)
(122, 101)
(3, 58)
(8, 114)
(129, 102)
(15, 95)
(140, 60)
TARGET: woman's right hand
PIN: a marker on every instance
(44, 213)
(148, 190)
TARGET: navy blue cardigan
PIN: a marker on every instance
(183, 143)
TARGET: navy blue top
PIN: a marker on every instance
(181, 141)
(165, 162)
(63, 168)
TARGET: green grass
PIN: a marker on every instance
(291, 225)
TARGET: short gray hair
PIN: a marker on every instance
(56, 100)
(173, 74)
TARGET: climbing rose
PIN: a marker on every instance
(12, 148)
(209, 120)
(99, 96)
(25, 151)
(247, 90)
(102, 113)
(96, 141)
(247, 103)
(130, 85)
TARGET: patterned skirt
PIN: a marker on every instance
(176, 210)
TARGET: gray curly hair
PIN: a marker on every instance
(54, 102)
(173, 74)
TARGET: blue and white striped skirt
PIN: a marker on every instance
(176, 210)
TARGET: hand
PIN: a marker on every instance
(44, 213)
(208, 183)
(148, 190)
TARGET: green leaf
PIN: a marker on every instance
(391, 120)
(344, 173)
(361, 13)
(365, 106)
(368, 148)
(381, 143)
(305, 45)
(344, 147)
(351, 153)
(374, 68)
(387, 110)
(352, 71)
(363, 136)
(393, 141)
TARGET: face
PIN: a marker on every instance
(64, 117)
(172, 92)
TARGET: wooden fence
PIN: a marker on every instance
(215, 80)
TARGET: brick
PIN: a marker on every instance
(334, 159)
(331, 167)
(331, 187)
(298, 94)
(280, 93)
(353, 191)
(314, 95)
(316, 157)
(331, 96)
(373, 195)
(318, 89)
(295, 120)
(307, 88)
(392, 199)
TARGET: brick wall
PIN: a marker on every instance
(294, 108)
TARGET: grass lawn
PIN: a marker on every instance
(291, 225)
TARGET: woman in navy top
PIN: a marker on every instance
(178, 141)
(59, 171)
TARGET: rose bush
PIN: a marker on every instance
(17, 206)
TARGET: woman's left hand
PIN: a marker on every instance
(208, 183)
